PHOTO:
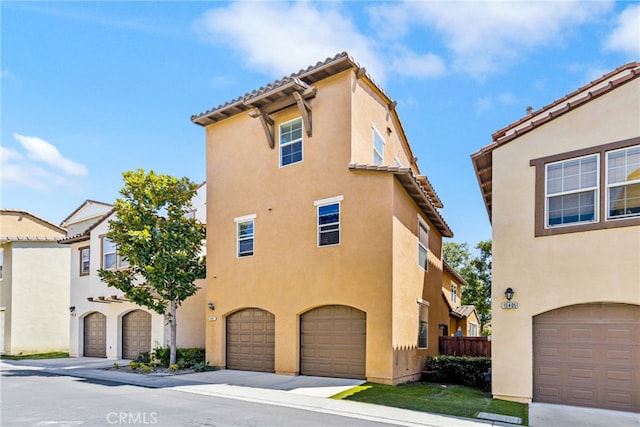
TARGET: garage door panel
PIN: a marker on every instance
(251, 340)
(95, 336)
(333, 342)
(588, 355)
(136, 334)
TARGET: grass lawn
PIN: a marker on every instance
(445, 399)
(50, 355)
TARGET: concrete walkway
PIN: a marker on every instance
(309, 393)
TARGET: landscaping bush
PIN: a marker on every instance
(185, 357)
(463, 370)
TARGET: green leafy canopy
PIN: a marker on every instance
(154, 232)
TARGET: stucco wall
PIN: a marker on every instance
(554, 271)
(38, 315)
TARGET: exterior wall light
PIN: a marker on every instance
(211, 306)
(72, 309)
(509, 294)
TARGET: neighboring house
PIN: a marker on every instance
(461, 317)
(103, 322)
(562, 189)
(34, 285)
(325, 241)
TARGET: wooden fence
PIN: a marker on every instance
(465, 346)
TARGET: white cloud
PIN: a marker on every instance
(282, 38)
(45, 152)
(41, 167)
(483, 104)
(483, 37)
(411, 64)
(625, 37)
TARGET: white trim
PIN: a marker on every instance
(423, 302)
(607, 186)
(244, 218)
(290, 142)
(328, 201)
(373, 143)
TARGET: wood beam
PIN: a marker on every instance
(305, 112)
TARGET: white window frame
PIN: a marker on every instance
(423, 246)
(82, 260)
(595, 189)
(376, 150)
(624, 183)
(473, 330)
(292, 142)
(423, 308)
(454, 292)
(120, 261)
(243, 220)
(1, 263)
(327, 202)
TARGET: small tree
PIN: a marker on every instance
(476, 271)
(162, 244)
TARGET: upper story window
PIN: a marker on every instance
(454, 292)
(329, 221)
(84, 260)
(423, 245)
(110, 258)
(378, 147)
(623, 183)
(588, 189)
(245, 235)
(572, 191)
(291, 142)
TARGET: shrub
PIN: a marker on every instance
(174, 367)
(185, 357)
(145, 369)
(115, 365)
(143, 357)
(134, 365)
(463, 370)
(202, 367)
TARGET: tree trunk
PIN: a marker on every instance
(172, 344)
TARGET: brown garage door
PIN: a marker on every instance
(251, 340)
(95, 332)
(333, 342)
(588, 355)
(136, 334)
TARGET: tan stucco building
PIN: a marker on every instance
(103, 322)
(324, 239)
(34, 285)
(562, 189)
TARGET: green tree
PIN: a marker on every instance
(163, 245)
(476, 271)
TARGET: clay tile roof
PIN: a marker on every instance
(454, 273)
(87, 233)
(296, 81)
(482, 160)
(463, 311)
(414, 188)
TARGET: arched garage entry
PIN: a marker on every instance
(136, 333)
(588, 355)
(333, 341)
(251, 340)
(95, 335)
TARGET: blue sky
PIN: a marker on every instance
(92, 89)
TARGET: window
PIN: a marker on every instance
(588, 189)
(245, 233)
(329, 221)
(623, 183)
(473, 330)
(378, 147)
(1, 261)
(572, 191)
(84, 261)
(454, 292)
(291, 142)
(423, 245)
(110, 257)
(423, 325)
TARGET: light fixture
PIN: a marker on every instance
(72, 309)
(509, 294)
(211, 306)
